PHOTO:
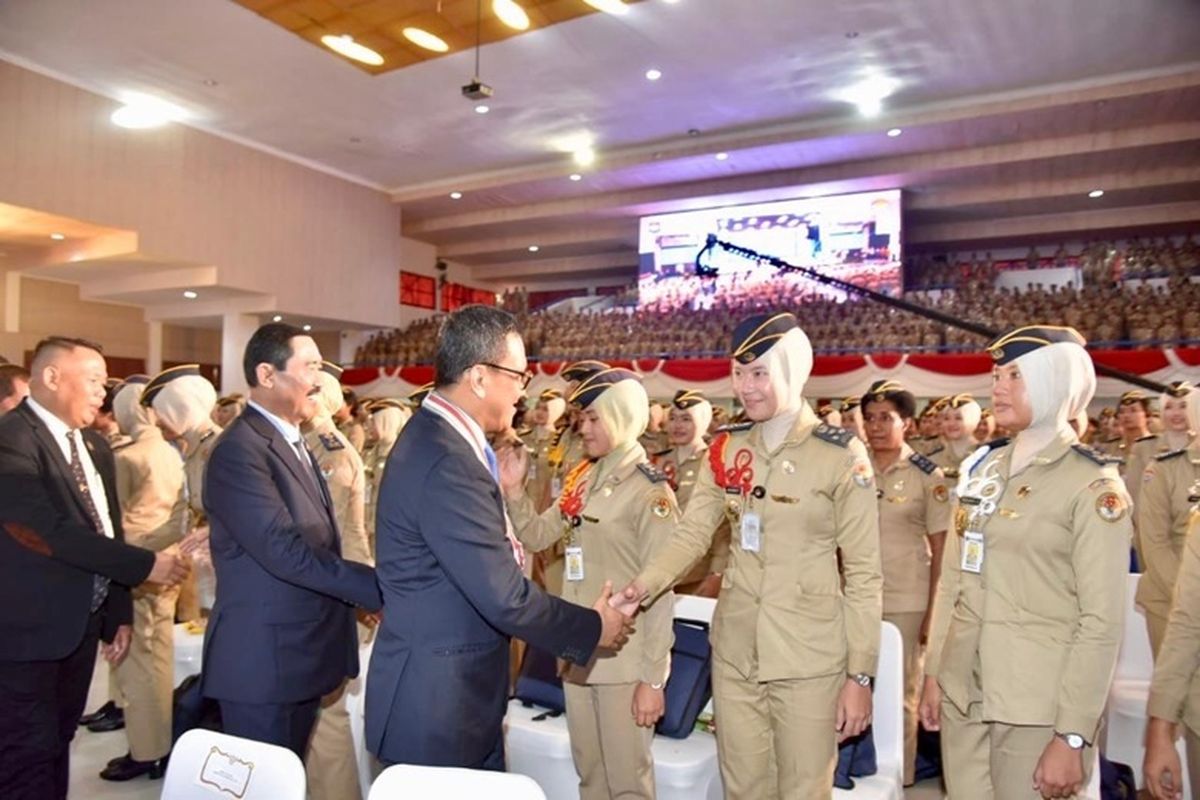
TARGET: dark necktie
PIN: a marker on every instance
(310, 462)
(99, 582)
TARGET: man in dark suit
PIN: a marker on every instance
(282, 631)
(64, 568)
(450, 569)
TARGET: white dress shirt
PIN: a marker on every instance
(59, 431)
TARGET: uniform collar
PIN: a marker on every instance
(802, 428)
(619, 464)
(903, 460)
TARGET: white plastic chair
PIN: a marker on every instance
(409, 782)
(356, 700)
(205, 765)
(887, 714)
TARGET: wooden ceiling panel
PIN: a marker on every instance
(378, 24)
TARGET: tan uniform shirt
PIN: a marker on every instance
(914, 503)
(949, 455)
(654, 442)
(342, 467)
(150, 488)
(1141, 454)
(355, 433)
(783, 612)
(1034, 635)
(374, 462)
(1170, 488)
(682, 477)
(199, 446)
(541, 473)
(626, 516)
(1175, 691)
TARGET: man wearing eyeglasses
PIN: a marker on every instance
(450, 568)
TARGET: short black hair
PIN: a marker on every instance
(270, 344)
(67, 343)
(471, 335)
(9, 375)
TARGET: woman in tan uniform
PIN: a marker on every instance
(1176, 435)
(1170, 487)
(914, 513)
(541, 438)
(795, 641)
(1175, 692)
(1030, 606)
(615, 511)
(960, 418)
(385, 419)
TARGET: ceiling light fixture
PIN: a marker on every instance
(894, 132)
(868, 95)
(189, 294)
(609, 6)
(58, 237)
(346, 46)
(511, 14)
(721, 156)
(423, 38)
(533, 248)
(277, 318)
(209, 82)
(575, 176)
(143, 111)
(1094, 193)
(482, 109)
(585, 156)
(307, 328)
(653, 74)
(456, 195)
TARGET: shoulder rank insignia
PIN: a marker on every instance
(207, 435)
(1148, 437)
(834, 435)
(994, 443)
(116, 448)
(662, 453)
(936, 450)
(1094, 455)
(735, 427)
(331, 442)
(652, 472)
(923, 463)
(1170, 454)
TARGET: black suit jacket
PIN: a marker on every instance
(49, 548)
(282, 629)
(453, 595)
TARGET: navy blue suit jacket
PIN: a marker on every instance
(453, 595)
(282, 629)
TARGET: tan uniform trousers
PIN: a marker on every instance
(611, 753)
(1156, 628)
(909, 623)
(331, 763)
(147, 675)
(776, 739)
(991, 760)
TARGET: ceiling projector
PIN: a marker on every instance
(477, 90)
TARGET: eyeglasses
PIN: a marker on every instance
(524, 377)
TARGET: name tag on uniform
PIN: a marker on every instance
(574, 559)
(751, 532)
(972, 552)
(555, 486)
(532, 470)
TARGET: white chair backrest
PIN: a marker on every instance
(1135, 662)
(888, 702)
(409, 782)
(699, 609)
(206, 765)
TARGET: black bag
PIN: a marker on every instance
(856, 759)
(690, 686)
(1116, 780)
(538, 683)
(190, 709)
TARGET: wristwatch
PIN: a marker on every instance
(1073, 740)
(657, 686)
(862, 679)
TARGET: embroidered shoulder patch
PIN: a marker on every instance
(923, 463)
(832, 434)
(652, 472)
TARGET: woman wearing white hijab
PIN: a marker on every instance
(795, 640)
(1030, 605)
(385, 419)
(960, 418)
(614, 512)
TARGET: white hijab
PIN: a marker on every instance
(1060, 381)
(185, 404)
(132, 417)
(789, 363)
(329, 398)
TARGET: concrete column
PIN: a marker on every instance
(236, 330)
(154, 347)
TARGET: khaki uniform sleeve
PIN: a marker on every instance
(1100, 559)
(947, 594)
(719, 551)
(657, 623)
(856, 517)
(536, 531)
(937, 504)
(692, 537)
(348, 486)
(1175, 670)
(1154, 528)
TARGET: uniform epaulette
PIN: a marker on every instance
(994, 443)
(1170, 454)
(1094, 455)
(936, 450)
(833, 434)
(662, 453)
(123, 445)
(652, 472)
(923, 463)
(735, 427)
(1146, 438)
(524, 431)
(331, 442)
(208, 435)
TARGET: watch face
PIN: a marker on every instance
(1074, 741)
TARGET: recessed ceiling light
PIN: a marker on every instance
(894, 132)
(58, 237)
(307, 327)
(653, 74)
(851, 34)
(575, 176)
(209, 82)
(143, 111)
(868, 94)
(609, 6)
(1094, 193)
(456, 195)
(533, 248)
(190, 295)
(277, 318)
(355, 140)
(423, 38)
(585, 156)
(481, 109)
(346, 46)
(721, 156)
(511, 14)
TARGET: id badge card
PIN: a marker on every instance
(972, 552)
(555, 486)
(751, 532)
(574, 558)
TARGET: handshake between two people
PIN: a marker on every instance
(617, 613)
